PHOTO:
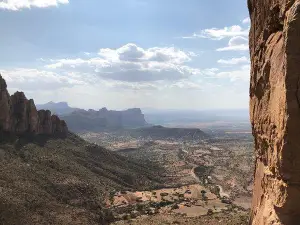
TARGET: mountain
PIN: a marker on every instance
(59, 108)
(163, 133)
(92, 120)
(19, 116)
(51, 176)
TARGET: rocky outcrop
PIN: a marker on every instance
(18, 115)
(5, 106)
(275, 110)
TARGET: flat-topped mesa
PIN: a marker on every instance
(275, 110)
(18, 115)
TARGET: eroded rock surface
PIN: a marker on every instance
(18, 115)
(275, 110)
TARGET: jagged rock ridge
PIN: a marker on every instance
(275, 110)
(18, 115)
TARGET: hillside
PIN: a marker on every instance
(62, 181)
(51, 176)
(161, 133)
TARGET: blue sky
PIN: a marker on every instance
(175, 54)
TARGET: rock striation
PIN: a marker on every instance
(275, 110)
(18, 115)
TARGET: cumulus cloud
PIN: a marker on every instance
(246, 20)
(21, 4)
(234, 61)
(186, 84)
(242, 74)
(219, 34)
(237, 43)
(33, 79)
(132, 86)
(133, 64)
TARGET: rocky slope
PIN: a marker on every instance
(47, 180)
(19, 116)
(275, 110)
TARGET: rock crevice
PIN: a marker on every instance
(18, 115)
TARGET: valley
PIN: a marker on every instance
(203, 177)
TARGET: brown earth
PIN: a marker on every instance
(226, 218)
(63, 181)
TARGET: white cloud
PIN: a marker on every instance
(33, 79)
(243, 74)
(210, 71)
(234, 61)
(132, 86)
(132, 63)
(186, 84)
(246, 20)
(237, 43)
(21, 4)
(218, 34)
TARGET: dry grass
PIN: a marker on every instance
(63, 181)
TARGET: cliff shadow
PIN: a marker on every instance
(19, 141)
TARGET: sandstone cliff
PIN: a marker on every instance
(275, 110)
(18, 115)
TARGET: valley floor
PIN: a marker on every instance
(221, 218)
(206, 181)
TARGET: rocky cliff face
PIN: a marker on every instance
(275, 110)
(18, 115)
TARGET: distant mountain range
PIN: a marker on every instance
(59, 108)
(80, 120)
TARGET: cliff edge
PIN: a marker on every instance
(19, 116)
(275, 110)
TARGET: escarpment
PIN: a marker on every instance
(18, 116)
(275, 110)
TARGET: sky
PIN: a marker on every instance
(163, 54)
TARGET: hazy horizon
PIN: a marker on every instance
(150, 109)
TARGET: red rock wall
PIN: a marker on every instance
(275, 110)
(18, 115)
